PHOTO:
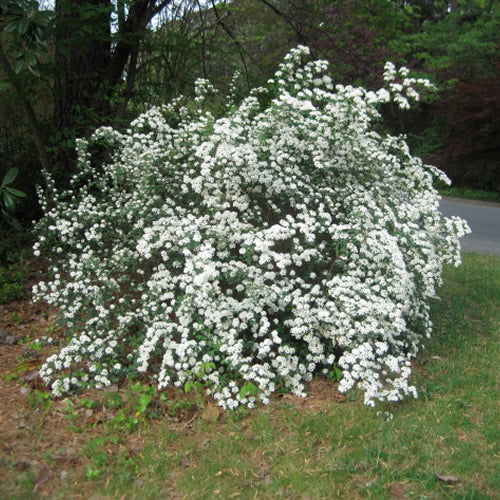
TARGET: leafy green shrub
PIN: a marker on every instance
(18, 151)
(15, 246)
(251, 251)
(10, 197)
(11, 285)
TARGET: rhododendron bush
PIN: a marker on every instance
(247, 253)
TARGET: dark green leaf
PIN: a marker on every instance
(10, 219)
(10, 176)
(34, 71)
(9, 201)
(31, 59)
(16, 192)
(10, 27)
(22, 26)
(5, 86)
(19, 65)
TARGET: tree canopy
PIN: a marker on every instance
(72, 66)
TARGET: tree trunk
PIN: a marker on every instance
(90, 64)
(83, 44)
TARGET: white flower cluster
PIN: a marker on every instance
(248, 252)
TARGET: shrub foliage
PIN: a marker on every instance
(246, 253)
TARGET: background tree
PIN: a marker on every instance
(355, 36)
(23, 37)
(94, 62)
(97, 45)
(460, 50)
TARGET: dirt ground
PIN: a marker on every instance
(40, 451)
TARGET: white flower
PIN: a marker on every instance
(250, 250)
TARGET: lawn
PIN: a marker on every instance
(471, 194)
(130, 442)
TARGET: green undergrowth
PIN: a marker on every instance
(12, 287)
(471, 194)
(138, 443)
(15, 251)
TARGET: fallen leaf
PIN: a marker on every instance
(66, 454)
(205, 442)
(44, 475)
(60, 406)
(31, 376)
(397, 490)
(211, 413)
(361, 466)
(448, 479)
(290, 397)
(94, 417)
(7, 339)
(30, 354)
(135, 449)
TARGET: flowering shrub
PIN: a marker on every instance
(247, 253)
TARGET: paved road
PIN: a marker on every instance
(484, 221)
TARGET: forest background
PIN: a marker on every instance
(69, 66)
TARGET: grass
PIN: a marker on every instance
(322, 447)
(470, 194)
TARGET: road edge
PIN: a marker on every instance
(472, 202)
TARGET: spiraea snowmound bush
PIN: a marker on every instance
(249, 252)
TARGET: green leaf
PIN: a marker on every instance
(143, 403)
(247, 389)
(206, 367)
(33, 71)
(31, 59)
(335, 374)
(11, 220)
(5, 86)
(189, 386)
(18, 66)
(9, 201)
(10, 27)
(16, 192)
(92, 474)
(10, 176)
(15, 224)
(22, 26)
